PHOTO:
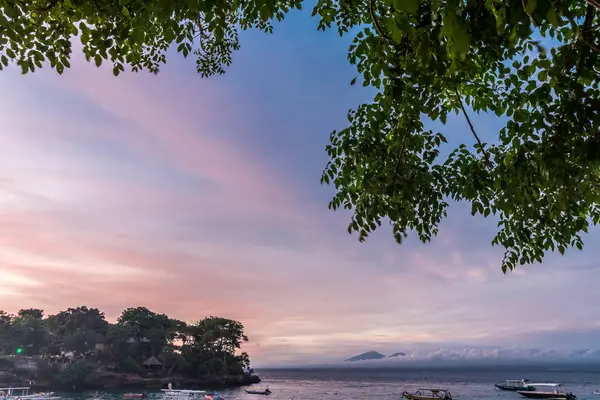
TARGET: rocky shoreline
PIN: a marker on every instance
(116, 381)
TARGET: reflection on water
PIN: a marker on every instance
(363, 384)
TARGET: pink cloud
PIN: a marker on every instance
(81, 227)
(159, 109)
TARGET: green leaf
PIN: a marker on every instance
(461, 39)
(409, 6)
(552, 17)
(530, 6)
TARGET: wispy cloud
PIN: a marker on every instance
(197, 197)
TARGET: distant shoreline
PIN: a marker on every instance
(587, 365)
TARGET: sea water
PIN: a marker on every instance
(464, 383)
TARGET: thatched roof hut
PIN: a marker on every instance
(152, 362)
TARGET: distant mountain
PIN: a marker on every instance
(399, 354)
(369, 355)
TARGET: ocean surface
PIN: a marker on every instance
(466, 383)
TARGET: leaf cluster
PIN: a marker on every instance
(429, 58)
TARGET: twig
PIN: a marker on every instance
(594, 3)
(376, 23)
(591, 28)
(483, 150)
(587, 35)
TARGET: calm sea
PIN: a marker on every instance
(472, 383)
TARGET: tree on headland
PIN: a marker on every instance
(427, 58)
(28, 331)
(84, 342)
(77, 329)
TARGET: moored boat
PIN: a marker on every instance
(174, 394)
(551, 394)
(22, 393)
(515, 384)
(265, 392)
(597, 392)
(428, 394)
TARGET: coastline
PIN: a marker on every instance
(118, 381)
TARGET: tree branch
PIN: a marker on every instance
(483, 150)
(376, 23)
(594, 3)
(587, 35)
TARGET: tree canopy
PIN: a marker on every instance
(427, 58)
(79, 341)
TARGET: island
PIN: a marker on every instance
(78, 349)
(369, 355)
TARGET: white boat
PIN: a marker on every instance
(515, 384)
(174, 394)
(554, 394)
(22, 393)
(597, 392)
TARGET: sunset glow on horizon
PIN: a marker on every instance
(198, 197)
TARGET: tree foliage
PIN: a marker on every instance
(428, 59)
(209, 347)
(134, 33)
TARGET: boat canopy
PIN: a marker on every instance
(546, 384)
(22, 391)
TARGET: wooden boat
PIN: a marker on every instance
(515, 384)
(428, 394)
(265, 392)
(135, 395)
(175, 394)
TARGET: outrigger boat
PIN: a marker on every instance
(265, 392)
(428, 394)
(173, 394)
(22, 393)
(515, 384)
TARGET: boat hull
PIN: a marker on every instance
(428, 394)
(420, 397)
(257, 392)
(544, 395)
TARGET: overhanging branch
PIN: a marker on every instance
(380, 31)
(483, 150)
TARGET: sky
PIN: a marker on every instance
(198, 197)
